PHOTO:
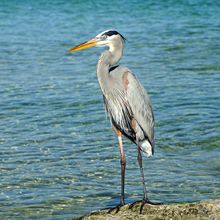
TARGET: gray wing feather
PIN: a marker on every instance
(140, 104)
(130, 100)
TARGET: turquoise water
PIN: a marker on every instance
(58, 155)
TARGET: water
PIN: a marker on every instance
(59, 157)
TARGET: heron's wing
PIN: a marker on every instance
(139, 103)
(129, 107)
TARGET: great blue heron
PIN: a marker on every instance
(126, 101)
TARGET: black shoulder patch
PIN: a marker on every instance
(113, 67)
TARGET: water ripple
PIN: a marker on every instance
(59, 156)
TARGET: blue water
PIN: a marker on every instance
(58, 155)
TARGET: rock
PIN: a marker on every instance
(209, 210)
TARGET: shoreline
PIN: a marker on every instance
(207, 209)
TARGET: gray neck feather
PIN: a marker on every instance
(106, 60)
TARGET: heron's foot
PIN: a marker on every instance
(143, 202)
(115, 209)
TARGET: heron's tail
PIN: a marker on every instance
(147, 148)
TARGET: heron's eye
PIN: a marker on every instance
(103, 37)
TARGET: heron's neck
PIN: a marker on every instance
(107, 59)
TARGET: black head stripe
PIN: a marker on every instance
(110, 33)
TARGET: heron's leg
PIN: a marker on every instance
(123, 166)
(139, 158)
(145, 200)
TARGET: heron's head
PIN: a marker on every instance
(108, 38)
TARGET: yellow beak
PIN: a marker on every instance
(85, 45)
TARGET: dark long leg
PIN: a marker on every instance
(123, 166)
(139, 158)
(145, 199)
